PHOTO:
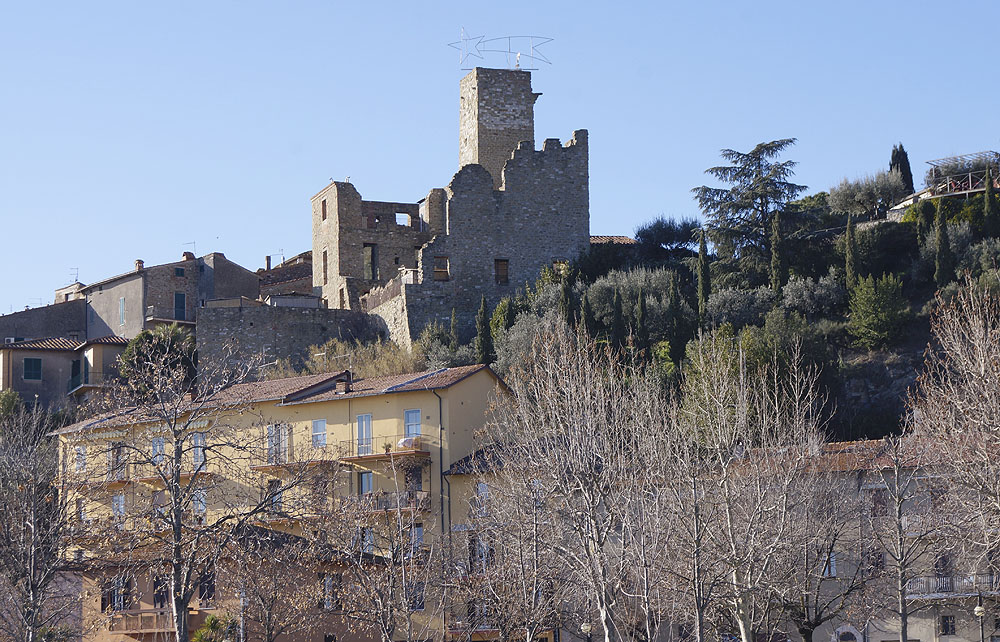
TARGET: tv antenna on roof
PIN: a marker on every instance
(75, 273)
(512, 49)
(194, 248)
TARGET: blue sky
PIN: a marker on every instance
(130, 129)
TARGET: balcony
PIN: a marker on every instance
(85, 381)
(169, 315)
(382, 501)
(953, 585)
(383, 447)
(279, 462)
(141, 621)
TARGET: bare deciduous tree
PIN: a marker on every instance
(36, 592)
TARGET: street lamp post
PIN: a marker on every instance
(585, 628)
(980, 612)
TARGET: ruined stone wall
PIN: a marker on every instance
(279, 332)
(57, 320)
(496, 112)
(541, 216)
(350, 226)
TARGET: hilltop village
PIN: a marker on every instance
(467, 418)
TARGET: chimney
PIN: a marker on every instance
(267, 262)
(138, 265)
(188, 256)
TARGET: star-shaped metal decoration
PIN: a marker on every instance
(467, 46)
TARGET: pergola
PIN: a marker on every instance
(964, 174)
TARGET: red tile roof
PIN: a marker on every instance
(613, 240)
(50, 343)
(110, 340)
(296, 390)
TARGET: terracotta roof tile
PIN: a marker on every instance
(110, 340)
(50, 343)
(613, 240)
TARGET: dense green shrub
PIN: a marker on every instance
(740, 307)
(878, 311)
(812, 297)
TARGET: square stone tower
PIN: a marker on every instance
(496, 112)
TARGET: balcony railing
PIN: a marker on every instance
(91, 378)
(954, 584)
(382, 501)
(141, 621)
(382, 445)
(169, 314)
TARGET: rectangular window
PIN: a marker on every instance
(159, 592)
(442, 268)
(830, 565)
(32, 369)
(157, 451)
(319, 433)
(364, 434)
(206, 585)
(180, 306)
(322, 208)
(179, 271)
(402, 218)
(273, 498)
(199, 501)
(326, 269)
(198, 450)
(369, 254)
(116, 462)
(880, 503)
(81, 509)
(121, 311)
(411, 420)
(367, 540)
(501, 271)
(118, 505)
(330, 585)
(947, 625)
(80, 463)
(415, 596)
(277, 444)
(417, 535)
(365, 483)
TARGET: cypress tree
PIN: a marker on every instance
(587, 317)
(704, 279)
(673, 315)
(991, 214)
(566, 302)
(944, 262)
(484, 338)
(925, 219)
(617, 322)
(901, 161)
(850, 250)
(641, 329)
(509, 314)
(779, 269)
(453, 334)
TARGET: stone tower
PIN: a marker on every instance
(496, 112)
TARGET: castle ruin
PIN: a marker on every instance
(509, 211)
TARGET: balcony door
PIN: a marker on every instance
(364, 434)
(180, 306)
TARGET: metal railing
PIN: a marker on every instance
(952, 584)
(384, 500)
(381, 445)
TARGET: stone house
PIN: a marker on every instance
(129, 303)
(509, 211)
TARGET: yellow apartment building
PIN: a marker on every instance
(288, 456)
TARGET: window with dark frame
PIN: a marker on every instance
(947, 625)
(32, 369)
(322, 207)
(179, 271)
(369, 256)
(501, 271)
(326, 269)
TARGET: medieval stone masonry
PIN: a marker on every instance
(509, 211)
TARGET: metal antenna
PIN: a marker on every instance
(74, 274)
(194, 248)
